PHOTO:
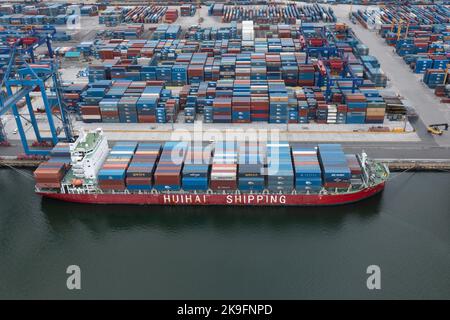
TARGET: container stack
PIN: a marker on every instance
(207, 34)
(111, 17)
(308, 174)
(89, 10)
(128, 102)
(273, 13)
(71, 95)
(355, 169)
(147, 103)
(179, 74)
(278, 98)
(216, 9)
(222, 109)
(260, 104)
(196, 168)
(127, 109)
(171, 15)
(376, 106)
(49, 174)
(434, 77)
(140, 172)
(168, 172)
(109, 110)
(357, 107)
(195, 69)
(241, 102)
(306, 75)
(335, 171)
(165, 31)
(112, 174)
(224, 167)
(251, 172)
(422, 65)
(89, 103)
(187, 10)
(248, 31)
(144, 14)
(280, 172)
(373, 71)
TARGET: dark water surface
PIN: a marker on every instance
(228, 252)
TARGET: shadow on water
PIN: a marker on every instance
(103, 218)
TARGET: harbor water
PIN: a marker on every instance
(159, 252)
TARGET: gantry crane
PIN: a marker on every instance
(24, 75)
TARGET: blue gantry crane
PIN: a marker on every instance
(24, 75)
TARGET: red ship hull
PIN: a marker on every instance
(220, 199)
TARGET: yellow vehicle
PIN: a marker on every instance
(436, 128)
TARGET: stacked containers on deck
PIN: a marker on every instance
(355, 169)
(308, 175)
(335, 170)
(224, 167)
(196, 168)
(142, 167)
(168, 172)
(49, 174)
(251, 170)
(280, 172)
(111, 176)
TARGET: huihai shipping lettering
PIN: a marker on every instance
(231, 199)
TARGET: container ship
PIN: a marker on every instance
(216, 173)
